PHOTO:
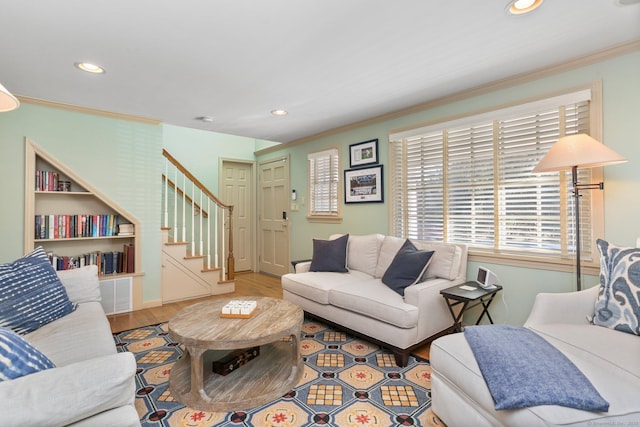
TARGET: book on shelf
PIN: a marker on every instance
(125, 229)
(108, 262)
(71, 226)
(47, 180)
(129, 258)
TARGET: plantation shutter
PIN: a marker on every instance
(470, 190)
(471, 180)
(536, 210)
(324, 178)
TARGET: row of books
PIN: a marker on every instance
(69, 226)
(50, 181)
(107, 262)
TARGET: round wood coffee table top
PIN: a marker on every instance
(200, 325)
(274, 326)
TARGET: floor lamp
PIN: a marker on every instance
(573, 152)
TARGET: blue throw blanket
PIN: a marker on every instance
(522, 369)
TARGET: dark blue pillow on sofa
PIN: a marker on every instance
(407, 267)
(330, 255)
(31, 294)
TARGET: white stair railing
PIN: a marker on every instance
(184, 189)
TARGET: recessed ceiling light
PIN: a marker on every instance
(518, 7)
(207, 119)
(90, 68)
(279, 112)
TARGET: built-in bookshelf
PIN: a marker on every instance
(75, 223)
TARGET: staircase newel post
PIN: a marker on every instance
(230, 259)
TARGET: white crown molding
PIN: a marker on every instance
(518, 79)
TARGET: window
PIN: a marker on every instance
(469, 181)
(324, 185)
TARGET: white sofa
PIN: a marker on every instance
(610, 359)
(359, 302)
(91, 385)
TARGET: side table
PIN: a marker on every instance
(457, 295)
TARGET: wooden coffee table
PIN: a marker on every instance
(208, 337)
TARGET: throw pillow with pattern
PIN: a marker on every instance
(18, 357)
(618, 302)
(31, 294)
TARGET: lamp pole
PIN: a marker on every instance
(576, 201)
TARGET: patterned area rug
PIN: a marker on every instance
(346, 382)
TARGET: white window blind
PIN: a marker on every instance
(324, 180)
(471, 181)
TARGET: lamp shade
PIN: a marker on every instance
(579, 150)
(8, 102)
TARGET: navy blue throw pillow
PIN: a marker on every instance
(407, 267)
(330, 255)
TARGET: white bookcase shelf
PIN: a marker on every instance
(65, 209)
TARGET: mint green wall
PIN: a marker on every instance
(199, 151)
(120, 158)
(621, 97)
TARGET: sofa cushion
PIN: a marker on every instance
(362, 252)
(316, 285)
(619, 297)
(446, 259)
(617, 349)
(452, 362)
(388, 250)
(81, 335)
(31, 294)
(407, 267)
(19, 358)
(70, 395)
(330, 255)
(446, 262)
(374, 299)
(81, 284)
(522, 369)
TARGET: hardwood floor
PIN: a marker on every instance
(247, 284)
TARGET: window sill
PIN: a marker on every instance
(539, 262)
(326, 219)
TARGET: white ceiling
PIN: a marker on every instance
(330, 63)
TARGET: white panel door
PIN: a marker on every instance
(273, 216)
(237, 190)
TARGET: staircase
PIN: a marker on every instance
(197, 238)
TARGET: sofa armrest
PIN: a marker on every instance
(303, 266)
(569, 307)
(434, 314)
(64, 395)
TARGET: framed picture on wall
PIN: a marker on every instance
(363, 153)
(363, 185)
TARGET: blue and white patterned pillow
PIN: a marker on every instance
(618, 302)
(31, 294)
(19, 358)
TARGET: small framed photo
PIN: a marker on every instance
(363, 153)
(363, 185)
